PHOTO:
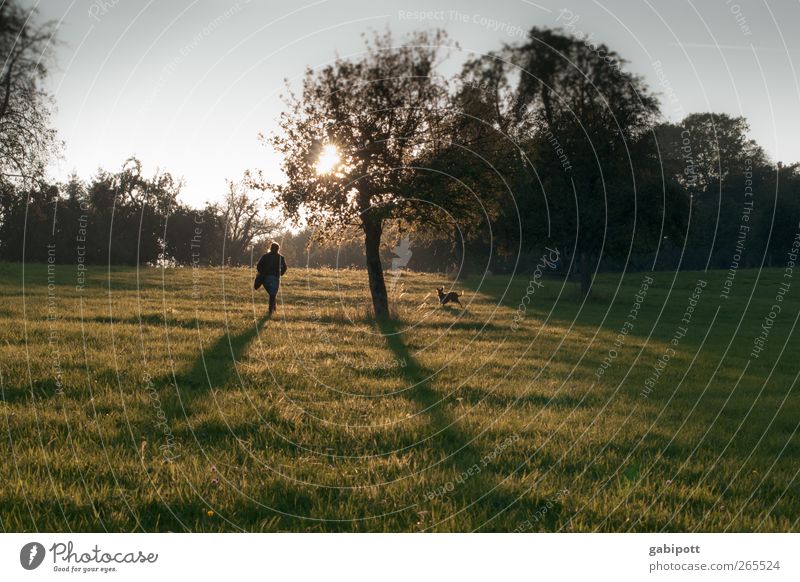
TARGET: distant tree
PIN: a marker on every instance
(27, 221)
(244, 221)
(27, 141)
(129, 213)
(194, 236)
(778, 230)
(704, 149)
(361, 145)
(712, 157)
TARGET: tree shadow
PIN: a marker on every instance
(479, 492)
(422, 394)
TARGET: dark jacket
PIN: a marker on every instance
(271, 264)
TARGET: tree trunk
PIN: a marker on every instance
(458, 255)
(377, 286)
(586, 274)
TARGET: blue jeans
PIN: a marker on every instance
(271, 284)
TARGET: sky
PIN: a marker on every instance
(188, 85)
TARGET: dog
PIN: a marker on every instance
(445, 298)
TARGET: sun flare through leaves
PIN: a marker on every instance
(329, 159)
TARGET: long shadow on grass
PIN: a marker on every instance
(214, 368)
(458, 452)
(426, 398)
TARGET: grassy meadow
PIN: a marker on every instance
(165, 400)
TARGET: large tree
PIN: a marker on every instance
(369, 141)
(27, 141)
(579, 119)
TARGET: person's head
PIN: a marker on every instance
(274, 247)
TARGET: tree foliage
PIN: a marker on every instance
(27, 142)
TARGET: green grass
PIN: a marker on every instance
(166, 401)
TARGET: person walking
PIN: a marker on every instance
(271, 267)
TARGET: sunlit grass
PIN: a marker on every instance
(159, 396)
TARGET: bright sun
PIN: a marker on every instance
(328, 159)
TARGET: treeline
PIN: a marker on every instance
(127, 218)
(598, 173)
(737, 205)
(742, 207)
